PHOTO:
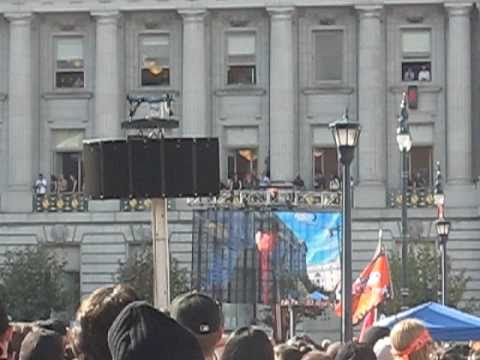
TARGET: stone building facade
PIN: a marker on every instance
(266, 77)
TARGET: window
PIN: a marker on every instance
(241, 63)
(155, 60)
(69, 63)
(328, 55)
(68, 166)
(242, 162)
(325, 167)
(421, 164)
(416, 55)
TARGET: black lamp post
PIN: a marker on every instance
(345, 134)
(443, 229)
(404, 141)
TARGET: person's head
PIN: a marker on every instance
(355, 351)
(375, 333)
(201, 315)
(248, 343)
(287, 352)
(383, 349)
(316, 355)
(410, 338)
(95, 316)
(40, 176)
(142, 332)
(42, 344)
(52, 324)
(333, 349)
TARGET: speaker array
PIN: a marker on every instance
(150, 168)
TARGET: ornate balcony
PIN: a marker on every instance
(135, 204)
(271, 197)
(60, 202)
(416, 198)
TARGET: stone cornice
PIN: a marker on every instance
(369, 11)
(193, 14)
(281, 12)
(459, 8)
(67, 95)
(56, 6)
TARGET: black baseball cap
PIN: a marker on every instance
(197, 312)
(142, 332)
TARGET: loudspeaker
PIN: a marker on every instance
(151, 168)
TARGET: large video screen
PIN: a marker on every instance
(258, 256)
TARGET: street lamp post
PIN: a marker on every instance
(404, 141)
(345, 134)
(443, 229)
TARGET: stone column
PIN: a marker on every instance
(194, 86)
(108, 102)
(372, 152)
(459, 100)
(458, 126)
(20, 117)
(283, 120)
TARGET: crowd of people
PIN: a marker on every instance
(57, 184)
(112, 323)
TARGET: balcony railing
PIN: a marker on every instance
(416, 198)
(60, 202)
(272, 197)
(135, 204)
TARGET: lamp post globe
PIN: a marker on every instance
(345, 134)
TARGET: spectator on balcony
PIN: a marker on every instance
(53, 184)
(236, 183)
(41, 185)
(62, 184)
(249, 183)
(73, 183)
(319, 182)
(265, 180)
(298, 183)
(334, 184)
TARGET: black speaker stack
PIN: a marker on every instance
(142, 167)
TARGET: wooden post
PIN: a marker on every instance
(161, 254)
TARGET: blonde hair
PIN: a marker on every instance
(404, 333)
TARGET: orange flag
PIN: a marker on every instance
(371, 287)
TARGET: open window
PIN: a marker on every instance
(416, 55)
(243, 162)
(154, 60)
(421, 165)
(325, 167)
(69, 62)
(241, 59)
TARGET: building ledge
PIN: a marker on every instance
(154, 91)
(55, 95)
(423, 88)
(241, 91)
(328, 89)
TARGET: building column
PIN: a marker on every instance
(459, 100)
(194, 121)
(20, 116)
(283, 120)
(108, 102)
(371, 190)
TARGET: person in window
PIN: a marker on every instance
(319, 182)
(62, 184)
(409, 74)
(424, 74)
(334, 184)
(236, 183)
(248, 182)
(53, 184)
(265, 180)
(74, 183)
(40, 186)
(298, 182)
